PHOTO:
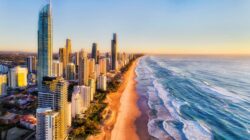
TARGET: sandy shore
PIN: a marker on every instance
(122, 112)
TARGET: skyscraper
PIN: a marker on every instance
(114, 52)
(63, 59)
(94, 54)
(92, 85)
(31, 64)
(68, 51)
(57, 69)
(47, 124)
(83, 74)
(103, 65)
(70, 71)
(44, 44)
(102, 82)
(54, 95)
(91, 67)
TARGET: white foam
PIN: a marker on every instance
(192, 129)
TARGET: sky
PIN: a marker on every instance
(145, 26)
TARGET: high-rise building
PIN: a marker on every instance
(97, 70)
(47, 124)
(103, 66)
(54, 95)
(17, 77)
(83, 74)
(102, 82)
(68, 51)
(91, 67)
(63, 59)
(3, 84)
(31, 64)
(76, 62)
(94, 54)
(85, 92)
(114, 50)
(76, 102)
(70, 71)
(69, 115)
(57, 69)
(92, 85)
(80, 100)
(76, 58)
(44, 67)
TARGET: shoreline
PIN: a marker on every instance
(122, 116)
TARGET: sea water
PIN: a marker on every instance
(196, 97)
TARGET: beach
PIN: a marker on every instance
(122, 112)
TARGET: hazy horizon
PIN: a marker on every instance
(143, 26)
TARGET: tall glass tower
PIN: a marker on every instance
(114, 52)
(44, 67)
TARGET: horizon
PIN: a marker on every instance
(195, 27)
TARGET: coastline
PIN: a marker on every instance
(122, 115)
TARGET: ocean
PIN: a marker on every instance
(196, 97)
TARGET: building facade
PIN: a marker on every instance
(44, 66)
(114, 50)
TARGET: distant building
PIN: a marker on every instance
(102, 82)
(80, 100)
(68, 51)
(103, 66)
(63, 58)
(86, 96)
(92, 85)
(17, 77)
(70, 71)
(69, 115)
(114, 49)
(76, 102)
(57, 69)
(92, 69)
(3, 84)
(44, 67)
(94, 54)
(83, 73)
(76, 62)
(31, 64)
(97, 70)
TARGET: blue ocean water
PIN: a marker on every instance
(196, 97)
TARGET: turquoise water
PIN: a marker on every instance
(196, 97)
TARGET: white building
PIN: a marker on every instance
(51, 126)
(17, 77)
(47, 124)
(76, 102)
(102, 82)
(80, 100)
(69, 114)
(57, 68)
(86, 96)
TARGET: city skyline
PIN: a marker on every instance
(192, 27)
